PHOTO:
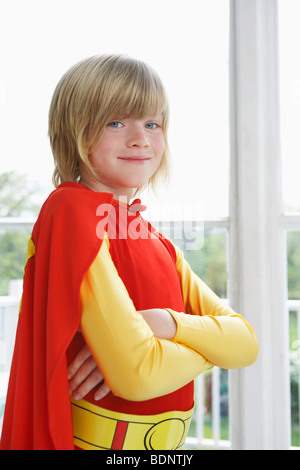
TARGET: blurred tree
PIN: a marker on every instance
(210, 262)
(19, 197)
(13, 245)
(293, 253)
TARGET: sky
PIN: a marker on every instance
(289, 40)
(187, 44)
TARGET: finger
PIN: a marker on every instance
(87, 368)
(85, 387)
(102, 391)
(78, 361)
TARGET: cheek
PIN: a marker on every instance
(101, 154)
(160, 146)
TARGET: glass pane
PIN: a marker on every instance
(186, 42)
(289, 39)
(294, 326)
(19, 199)
(223, 405)
(13, 246)
(209, 262)
(293, 253)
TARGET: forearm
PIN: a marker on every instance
(225, 341)
(135, 364)
(211, 327)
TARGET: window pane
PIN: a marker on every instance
(209, 262)
(294, 327)
(293, 250)
(13, 245)
(186, 42)
(293, 254)
(289, 39)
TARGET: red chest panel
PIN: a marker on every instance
(146, 264)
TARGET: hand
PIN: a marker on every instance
(84, 375)
(83, 371)
(161, 322)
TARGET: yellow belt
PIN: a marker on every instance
(96, 428)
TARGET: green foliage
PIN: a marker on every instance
(293, 253)
(210, 262)
(13, 246)
(293, 261)
(18, 196)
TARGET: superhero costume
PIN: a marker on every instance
(84, 271)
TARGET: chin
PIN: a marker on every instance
(136, 183)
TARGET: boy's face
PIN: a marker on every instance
(129, 153)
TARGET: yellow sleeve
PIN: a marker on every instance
(136, 365)
(210, 327)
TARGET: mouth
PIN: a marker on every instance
(135, 159)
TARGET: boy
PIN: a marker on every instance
(98, 273)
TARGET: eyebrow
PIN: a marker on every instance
(128, 116)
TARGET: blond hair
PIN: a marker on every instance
(88, 96)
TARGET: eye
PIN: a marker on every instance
(151, 125)
(115, 124)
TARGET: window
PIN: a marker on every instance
(290, 117)
(211, 423)
(13, 243)
(289, 36)
(293, 260)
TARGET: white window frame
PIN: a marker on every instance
(260, 394)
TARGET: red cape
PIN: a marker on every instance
(37, 412)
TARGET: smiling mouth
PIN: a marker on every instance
(135, 159)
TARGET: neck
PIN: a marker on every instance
(97, 186)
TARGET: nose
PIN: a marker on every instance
(137, 138)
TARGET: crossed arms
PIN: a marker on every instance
(139, 355)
